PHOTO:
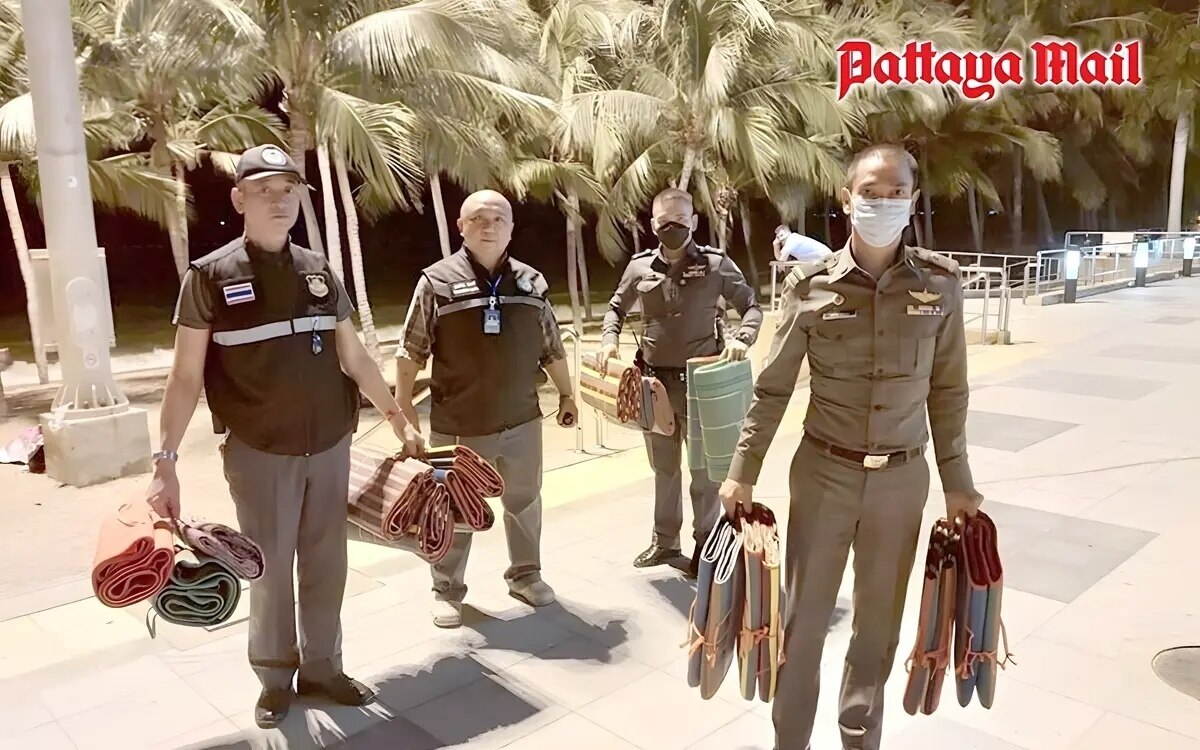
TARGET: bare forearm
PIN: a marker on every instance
(406, 378)
(179, 404)
(561, 375)
(370, 381)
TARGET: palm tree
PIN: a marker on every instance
(716, 84)
(185, 70)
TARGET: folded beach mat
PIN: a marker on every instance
(134, 556)
(695, 436)
(239, 552)
(759, 641)
(727, 601)
(979, 628)
(616, 395)
(723, 393)
(719, 539)
(391, 497)
(661, 417)
(202, 592)
(939, 595)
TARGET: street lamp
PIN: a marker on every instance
(1141, 260)
(1189, 253)
(92, 434)
(1071, 275)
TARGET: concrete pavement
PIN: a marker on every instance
(1082, 438)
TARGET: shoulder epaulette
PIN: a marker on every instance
(709, 250)
(947, 264)
(812, 268)
(642, 254)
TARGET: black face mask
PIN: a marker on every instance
(673, 236)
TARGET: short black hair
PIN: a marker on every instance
(880, 150)
(672, 194)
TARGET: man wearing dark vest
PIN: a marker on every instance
(681, 286)
(264, 328)
(485, 320)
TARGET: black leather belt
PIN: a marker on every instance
(667, 373)
(869, 461)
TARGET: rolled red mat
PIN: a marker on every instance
(134, 556)
(469, 467)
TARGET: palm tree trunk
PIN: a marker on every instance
(356, 261)
(927, 202)
(973, 209)
(572, 271)
(581, 256)
(828, 224)
(1183, 134)
(752, 265)
(439, 210)
(333, 231)
(1112, 214)
(1016, 215)
(177, 222)
(21, 245)
(635, 228)
(689, 164)
(301, 140)
(1045, 226)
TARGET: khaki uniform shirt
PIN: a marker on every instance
(880, 355)
(681, 305)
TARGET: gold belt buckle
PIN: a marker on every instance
(873, 463)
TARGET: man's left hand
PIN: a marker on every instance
(568, 412)
(414, 442)
(735, 351)
(962, 504)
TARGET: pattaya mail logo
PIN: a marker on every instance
(1051, 63)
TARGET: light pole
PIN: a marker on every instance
(1071, 275)
(92, 434)
(1141, 260)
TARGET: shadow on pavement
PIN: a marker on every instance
(487, 699)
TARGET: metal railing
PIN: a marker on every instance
(570, 335)
(1107, 262)
(997, 298)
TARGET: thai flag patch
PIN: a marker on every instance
(235, 294)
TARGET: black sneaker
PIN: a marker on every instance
(272, 707)
(656, 555)
(340, 689)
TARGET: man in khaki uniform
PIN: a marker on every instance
(882, 326)
(681, 286)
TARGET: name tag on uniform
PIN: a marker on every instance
(924, 309)
(236, 294)
(463, 288)
(840, 315)
(491, 321)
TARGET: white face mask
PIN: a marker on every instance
(880, 221)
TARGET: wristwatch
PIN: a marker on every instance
(171, 456)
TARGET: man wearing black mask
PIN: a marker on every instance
(680, 286)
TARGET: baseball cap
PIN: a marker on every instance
(263, 161)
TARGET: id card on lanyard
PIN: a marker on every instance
(491, 315)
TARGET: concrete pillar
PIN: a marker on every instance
(92, 434)
(1071, 275)
(1141, 261)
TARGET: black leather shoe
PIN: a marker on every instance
(693, 569)
(272, 707)
(655, 555)
(341, 689)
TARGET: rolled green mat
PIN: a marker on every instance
(201, 592)
(723, 392)
(695, 437)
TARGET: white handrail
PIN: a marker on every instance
(570, 335)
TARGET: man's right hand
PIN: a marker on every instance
(607, 352)
(163, 493)
(734, 493)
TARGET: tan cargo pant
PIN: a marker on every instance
(666, 459)
(295, 508)
(517, 455)
(835, 505)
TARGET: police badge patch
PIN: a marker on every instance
(274, 157)
(317, 286)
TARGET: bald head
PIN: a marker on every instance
(486, 224)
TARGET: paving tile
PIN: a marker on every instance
(577, 672)
(693, 719)
(394, 734)
(1010, 433)
(1174, 320)
(421, 674)
(747, 732)
(500, 712)
(310, 725)
(1086, 384)
(1145, 353)
(24, 710)
(45, 737)
(150, 717)
(938, 732)
(572, 731)
(218, 734)
(1117, 731)
(145, 676)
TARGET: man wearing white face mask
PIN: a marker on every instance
(882, 327)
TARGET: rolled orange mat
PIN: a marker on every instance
(134, 556)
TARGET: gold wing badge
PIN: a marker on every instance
(926, 297)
